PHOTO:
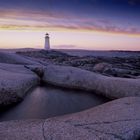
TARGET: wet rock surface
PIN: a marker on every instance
(110, 121)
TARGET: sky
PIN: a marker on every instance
(72, 24)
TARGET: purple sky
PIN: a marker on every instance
(104, 16)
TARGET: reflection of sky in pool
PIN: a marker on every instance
(48, 102)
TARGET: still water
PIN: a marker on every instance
(46, 102)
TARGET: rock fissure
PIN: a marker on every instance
(43, 131)
(38, 70)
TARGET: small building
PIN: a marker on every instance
(47, 42)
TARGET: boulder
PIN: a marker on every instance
(75, 78)
(102, 67)
(115, 120)
(15, 81)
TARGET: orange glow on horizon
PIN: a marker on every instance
(41, 21)
(63, 29)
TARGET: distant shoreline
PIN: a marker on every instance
(81, 52)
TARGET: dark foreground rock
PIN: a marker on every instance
(15, 81)
(115, 120)
(75, 78)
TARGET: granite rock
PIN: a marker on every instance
(15, 81)
(75, 78)
(12, 58)
(115, 120)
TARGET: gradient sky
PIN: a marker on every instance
(85, 24)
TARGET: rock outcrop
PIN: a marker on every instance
(115, 120)
(111, 87)
(15, 81)
(102, 62)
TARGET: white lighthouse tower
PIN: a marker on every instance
(47, 42)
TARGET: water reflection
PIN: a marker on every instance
(45, 102)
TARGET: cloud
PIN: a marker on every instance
(30, 20)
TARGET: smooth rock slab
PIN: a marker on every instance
(115, 120)
(12, 58)
(15, 81)
(111, 87)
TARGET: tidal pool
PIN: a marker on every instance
(48, 101)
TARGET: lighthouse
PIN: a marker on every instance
(47, 42)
